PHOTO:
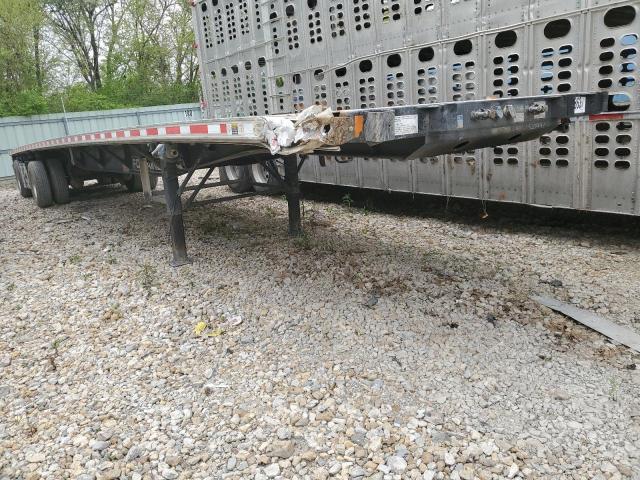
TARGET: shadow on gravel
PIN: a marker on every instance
(555, 222)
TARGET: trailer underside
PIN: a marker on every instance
(137, 156)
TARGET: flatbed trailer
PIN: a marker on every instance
(281, 144)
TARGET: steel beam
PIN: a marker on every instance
(293, 195)
(174, 210)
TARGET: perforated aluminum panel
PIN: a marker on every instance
(281, 56)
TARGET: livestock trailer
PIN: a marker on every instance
(279, 56)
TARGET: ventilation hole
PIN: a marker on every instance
(289, 11)
(498, 161)
(622, 165)
(545, 162)
(606, 56)
(601, 164)
(297, 78)
(565, 50)
(564, 87)
(602, 139)
(512, 151)
(624, 126)
(463, 47)
(607, 42)
(547, 52)
(619, 102)
(223, 72)
(557, 29)
(512, 161)
(204, 7)
(623, 139)
(498, 150)
(545, 140)
(623, 152)
(262, 61)
(606, 83)
(562, 140)
(562, 163)
(602, 152)
(366, 66)
(564, 62)
(627, 82)
(619, 17)
(498, 60)
(234, 69)
(513, 92)
(606, 70)
(514, 57)
(426, 54)
(506, 39)
(546, 76)
(546, 151)
(547, 65)
(603, 127)
(629, 39)
(247, 65)
(564, 75)
(629, 53)
(562, 152)
(628, 67)
(312, 4)
(394, 60)
(341, 72)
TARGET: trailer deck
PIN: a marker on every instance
(138, 155)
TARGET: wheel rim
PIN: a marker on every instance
(260, 173)
(233, 172)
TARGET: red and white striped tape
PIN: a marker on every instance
(223, 129)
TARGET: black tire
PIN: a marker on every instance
(25, 192)
(133, 184)
(58, 180)
(260, 174)
(40, 186)
(240, 174)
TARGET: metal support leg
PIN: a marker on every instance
(145, 178)
(174, 209)
(293, 195)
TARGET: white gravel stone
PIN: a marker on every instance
(36, 457)
(272, 470)
(396, 464)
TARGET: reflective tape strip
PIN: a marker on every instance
(233, 128)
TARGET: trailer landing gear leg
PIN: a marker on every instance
(174, 209)
(293, 195)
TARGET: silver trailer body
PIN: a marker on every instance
(264, 57)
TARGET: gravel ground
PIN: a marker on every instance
(377, 346)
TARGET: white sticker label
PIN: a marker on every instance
(406, 125)
(581, 105)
